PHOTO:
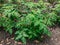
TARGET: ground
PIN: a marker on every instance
(6, 39)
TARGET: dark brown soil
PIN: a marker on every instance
(6, 39)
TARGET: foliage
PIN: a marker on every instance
(9, 16)
(57, 10)
(29, 20)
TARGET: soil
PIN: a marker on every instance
(6, 39)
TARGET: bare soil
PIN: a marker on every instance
(6, 39)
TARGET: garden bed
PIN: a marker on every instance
(23, 21)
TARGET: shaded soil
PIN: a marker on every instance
(6, 39)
